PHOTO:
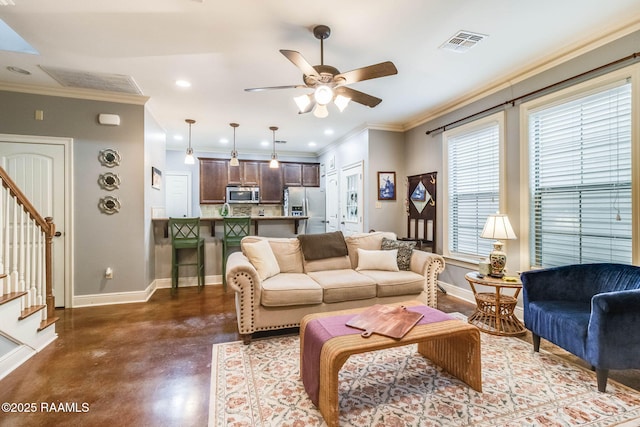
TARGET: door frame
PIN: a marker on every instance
(67, 227)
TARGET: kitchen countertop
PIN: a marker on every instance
(255, 218)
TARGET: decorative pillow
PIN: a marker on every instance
(405, 249)
(261, 256)
(377, 260)
(324, 245)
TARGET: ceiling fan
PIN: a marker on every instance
(328, 83)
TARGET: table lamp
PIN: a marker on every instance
(498, 228)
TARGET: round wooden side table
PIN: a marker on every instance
(494, 310)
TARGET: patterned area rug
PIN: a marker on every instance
(260, 385)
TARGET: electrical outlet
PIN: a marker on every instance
(108, 274)
(378, 205)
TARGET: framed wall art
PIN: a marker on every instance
(156, 178)
(386, 185)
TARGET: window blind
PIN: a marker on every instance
(474, 185)
(580, 179)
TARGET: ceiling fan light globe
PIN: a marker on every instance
(323, 94)
(320, 111)
(302, 102)
(341, 102)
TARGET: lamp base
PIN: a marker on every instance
(498, 260)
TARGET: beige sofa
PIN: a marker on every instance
(276, 283)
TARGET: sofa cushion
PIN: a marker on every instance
(377, 260)
(336, 263)
(405, 249)
(344, 285)
(286, 250)
(262, 258)
(324, 245)
(368, 241)
(392, 283)
(287, 289)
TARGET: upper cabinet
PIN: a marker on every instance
(216, 174)
(247, 173)
(311, 174)
(213, 180)
(271, 184)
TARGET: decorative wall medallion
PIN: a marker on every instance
(109, 205)
(109, 158)
(109, 181)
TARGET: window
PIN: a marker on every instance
(473, 186)
(580, 179)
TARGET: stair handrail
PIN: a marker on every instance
(46, 225)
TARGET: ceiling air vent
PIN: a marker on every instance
(96, 81)
(463, 41)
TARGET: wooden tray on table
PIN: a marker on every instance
(385, 320)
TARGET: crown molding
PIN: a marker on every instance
(88, 94)
(556, 58)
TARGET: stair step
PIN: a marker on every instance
(10, 297)
(29, 311)
(48, 322)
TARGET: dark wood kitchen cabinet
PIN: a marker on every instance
(311, 174)
(271, 184)
(292, 174)
(247, 174)
(213, 180)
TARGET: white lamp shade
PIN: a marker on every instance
(323, 95)
(320, 111)
(274, 164)
(302, 102)
(341, 102)
(189, 159)
(234, 161)
(498, 227)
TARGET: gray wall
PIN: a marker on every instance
(424, 152)
(100, 241)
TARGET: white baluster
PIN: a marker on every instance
(7, 237)
(2, 222)
(40, 300)
(13, 281)
(31, 281)
(23, 255)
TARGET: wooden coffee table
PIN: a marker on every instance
(453, 345)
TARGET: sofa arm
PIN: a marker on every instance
(428, 265)
(614, 329)
(245, 281)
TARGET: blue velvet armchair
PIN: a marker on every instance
(590, 310)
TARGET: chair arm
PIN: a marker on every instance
(429, 265)
(614, 329)
(243, 278)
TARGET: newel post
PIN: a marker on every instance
(51, 230)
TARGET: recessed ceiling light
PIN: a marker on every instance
(264, 143)
(224, 141)
(183, 83)
(328, 131)
(18, 70)
(178, 137)
(312, 144)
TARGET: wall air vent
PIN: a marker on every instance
(96, 81)
(463, 41)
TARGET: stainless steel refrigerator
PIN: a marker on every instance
(306, 201)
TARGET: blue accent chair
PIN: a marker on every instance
(590, 310)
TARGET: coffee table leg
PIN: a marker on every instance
(458, 354)
(330, 364)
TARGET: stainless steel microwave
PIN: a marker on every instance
(243, 194)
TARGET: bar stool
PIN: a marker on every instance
(185, 234)
(235, 228)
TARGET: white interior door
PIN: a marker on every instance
(351, 203)
(332, 195)
(40, 168)
(177, 194)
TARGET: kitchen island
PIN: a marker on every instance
(255, 219)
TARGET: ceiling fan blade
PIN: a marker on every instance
(299, 61)
(260, 89)
(359, 97)
(382, 69)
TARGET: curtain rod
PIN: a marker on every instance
(513, 101)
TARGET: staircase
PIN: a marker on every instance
(27, 321)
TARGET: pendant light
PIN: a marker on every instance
(273, 164)
(189, 159)
(234, 154)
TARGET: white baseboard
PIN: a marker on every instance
(139, 296)
(467, 295)
(15, 358)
